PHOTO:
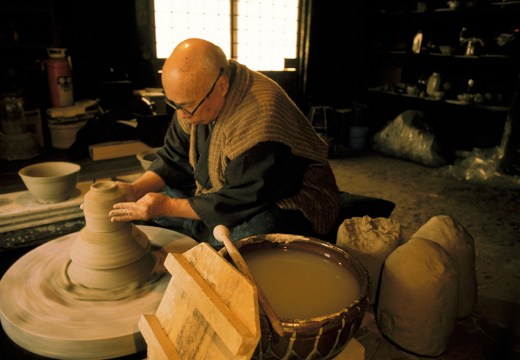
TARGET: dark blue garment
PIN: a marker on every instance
(254, 181)
(276, 220)
(269, 221)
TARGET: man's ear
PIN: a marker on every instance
(223, 84)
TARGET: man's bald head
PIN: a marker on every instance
(196, 76)
(194, 63)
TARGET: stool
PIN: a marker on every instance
(318, 117)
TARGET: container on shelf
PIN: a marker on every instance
(16, 142)
(59, 75)
(358, 137)
(417, 42)
(64, 135)
(12, 115)
(433, 85)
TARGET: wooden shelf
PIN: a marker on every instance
(448, 102)
(460, 57)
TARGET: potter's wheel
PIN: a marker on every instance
(41, 316)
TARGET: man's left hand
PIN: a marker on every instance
(148, 207)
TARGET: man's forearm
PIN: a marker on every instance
(148, 182)
(181, 208)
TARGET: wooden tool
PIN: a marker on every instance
(209, 310)
(221, 233)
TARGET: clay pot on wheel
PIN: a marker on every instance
(97, 204)
(108, 255)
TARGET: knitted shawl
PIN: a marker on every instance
(258, 110)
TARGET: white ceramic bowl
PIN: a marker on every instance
(447, 49)
(146, 157)
(51, 182)
(64, 135)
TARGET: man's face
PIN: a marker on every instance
(203, 103)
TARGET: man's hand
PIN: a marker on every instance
(148, 207)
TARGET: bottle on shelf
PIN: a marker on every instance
(59, 74)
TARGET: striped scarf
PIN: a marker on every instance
(258, 110)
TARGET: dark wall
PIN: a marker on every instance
(109, 59)
(26, 29)
(337, 53)
(101, 38)
(103, 42)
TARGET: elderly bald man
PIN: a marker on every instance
(238, 152)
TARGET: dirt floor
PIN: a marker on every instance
(490, 211)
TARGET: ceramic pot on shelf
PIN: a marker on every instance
(434, 84)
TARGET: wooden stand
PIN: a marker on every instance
(209, 310)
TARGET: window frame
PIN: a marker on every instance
(293, 79)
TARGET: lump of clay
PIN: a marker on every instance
(455, 239)
(370, 241)
(417, 307)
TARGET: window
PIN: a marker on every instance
(261, 34)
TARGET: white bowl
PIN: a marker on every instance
(447, 49)
(466, 98)
(51, 182)
(146, 157)
(64, 135)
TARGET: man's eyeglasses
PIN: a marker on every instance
(192, 112)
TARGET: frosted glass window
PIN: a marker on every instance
(266, 33)
(263, 33)
(176, 20)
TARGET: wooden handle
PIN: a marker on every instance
(221, 233)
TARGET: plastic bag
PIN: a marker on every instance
(408, 137)
(481, 166)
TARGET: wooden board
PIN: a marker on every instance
(116, 149)
(209, 310)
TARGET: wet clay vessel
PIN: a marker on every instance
(108, 255)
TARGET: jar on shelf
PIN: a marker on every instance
(434, 84)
